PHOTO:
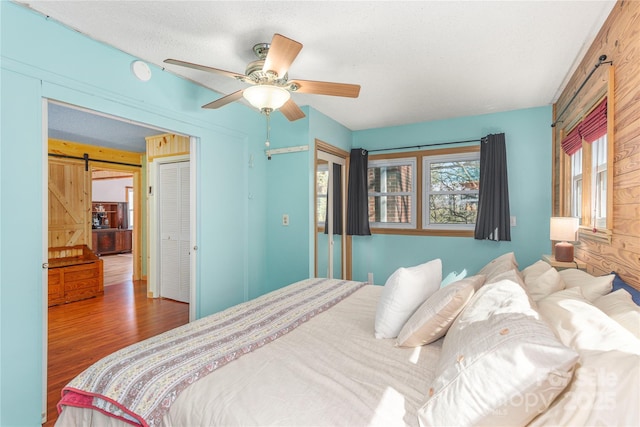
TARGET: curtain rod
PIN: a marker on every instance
(601, 60)
(86, 159)
(425, 145)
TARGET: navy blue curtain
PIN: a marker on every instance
(493, 221)
(357, 194)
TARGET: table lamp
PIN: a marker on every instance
(563, 230)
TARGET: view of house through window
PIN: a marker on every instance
(440, 195)
(392, 192)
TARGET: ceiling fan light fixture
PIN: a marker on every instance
(266, 96)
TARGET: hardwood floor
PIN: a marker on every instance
(82, 332)
(118, 268)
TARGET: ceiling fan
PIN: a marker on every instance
(270, 85)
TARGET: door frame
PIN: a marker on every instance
(138, 217)
(153, 270)
(346, 267)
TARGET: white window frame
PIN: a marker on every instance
(576, 184)
(130, 206)
(412, 194)
(323, 167)
(599, 185)
(426, 185)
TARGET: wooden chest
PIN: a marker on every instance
(75, 273)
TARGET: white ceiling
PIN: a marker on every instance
(415, 60)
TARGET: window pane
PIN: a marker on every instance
(130, 205)
(322, 183)
(599, 195)
(576, 188)
(455, 176)
(390, 179)
(392, 198)
(453, 208)
(390, 209)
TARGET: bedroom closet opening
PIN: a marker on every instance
(331, 257)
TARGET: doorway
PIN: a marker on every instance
(113, 201)
(101, 133)
(332, 254)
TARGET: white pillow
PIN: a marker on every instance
(499, 365)
(499, 265)
(620, 307)
(605, 390)
(592, 287)
(535, 270)
(433, 318)
(581, 325)
(544, 284)
(405, 290)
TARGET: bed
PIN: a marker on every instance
(332, 352)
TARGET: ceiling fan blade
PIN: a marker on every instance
(281, 54)
(326, 88)
(221, 102)
(205, 68)
(291, 111)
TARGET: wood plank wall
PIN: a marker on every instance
(619, 39)
(166, 145)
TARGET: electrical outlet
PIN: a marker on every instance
(370, 278)
(513, 221)
(285, 219)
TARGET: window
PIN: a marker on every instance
(588, 179)
(322, 189)
(428, 192)
(392, 193)
(130, 205)
(576, 185)
(599, 185)
(450, 195)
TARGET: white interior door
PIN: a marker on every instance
(174, 223)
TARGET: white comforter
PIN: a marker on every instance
(328, 371)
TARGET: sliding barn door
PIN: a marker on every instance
(69, 203)
(174, 220)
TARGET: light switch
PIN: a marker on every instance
(513, 221)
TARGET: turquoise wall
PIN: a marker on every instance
(528, 139)
(244, 250)
(43, 59)
(289, 189)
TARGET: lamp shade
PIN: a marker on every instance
(563, 228)
(266, 96)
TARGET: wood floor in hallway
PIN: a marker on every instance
(82, 332)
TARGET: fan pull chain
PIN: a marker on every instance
(267, 143)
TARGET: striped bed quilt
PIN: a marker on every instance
(139, 383)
